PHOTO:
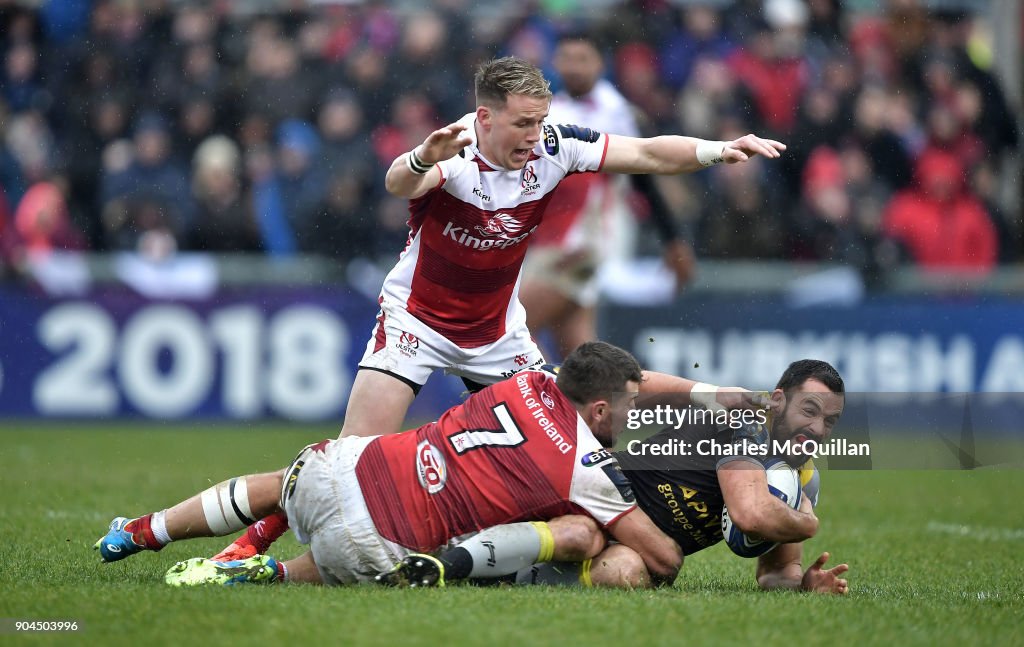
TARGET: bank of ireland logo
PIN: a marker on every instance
(501, 225)
(430, 468)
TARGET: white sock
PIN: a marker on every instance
(503, 550)
(158, 524)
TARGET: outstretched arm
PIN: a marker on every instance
(662, 388)
(414, 173)
(671, 154)
(782, 568)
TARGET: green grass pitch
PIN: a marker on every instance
(935, 556)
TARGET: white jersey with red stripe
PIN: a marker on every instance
(587, 211)
(459, 273)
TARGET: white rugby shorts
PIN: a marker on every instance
(326, 510)
(407, 348)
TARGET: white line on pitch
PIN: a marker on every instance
(976, 532)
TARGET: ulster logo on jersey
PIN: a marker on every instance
(530, 182)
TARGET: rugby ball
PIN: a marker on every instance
(783, 482)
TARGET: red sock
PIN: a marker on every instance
(142, 532)
(282, 572)
(265, 532)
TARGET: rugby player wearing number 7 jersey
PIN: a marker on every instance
(510, 454)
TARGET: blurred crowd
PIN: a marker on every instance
(157, 126)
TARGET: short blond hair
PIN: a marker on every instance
(500, 77)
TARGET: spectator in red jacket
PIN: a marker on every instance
(42, 222)
(943, 226)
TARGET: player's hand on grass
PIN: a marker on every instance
(443, 144)
(821, 580)
(742, 149)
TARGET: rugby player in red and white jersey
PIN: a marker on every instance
(590, 215)
(526, 449)
(477, 190)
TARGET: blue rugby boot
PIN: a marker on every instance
(118, 543)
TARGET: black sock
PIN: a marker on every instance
(458, 563)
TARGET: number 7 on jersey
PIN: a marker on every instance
(508, 435)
